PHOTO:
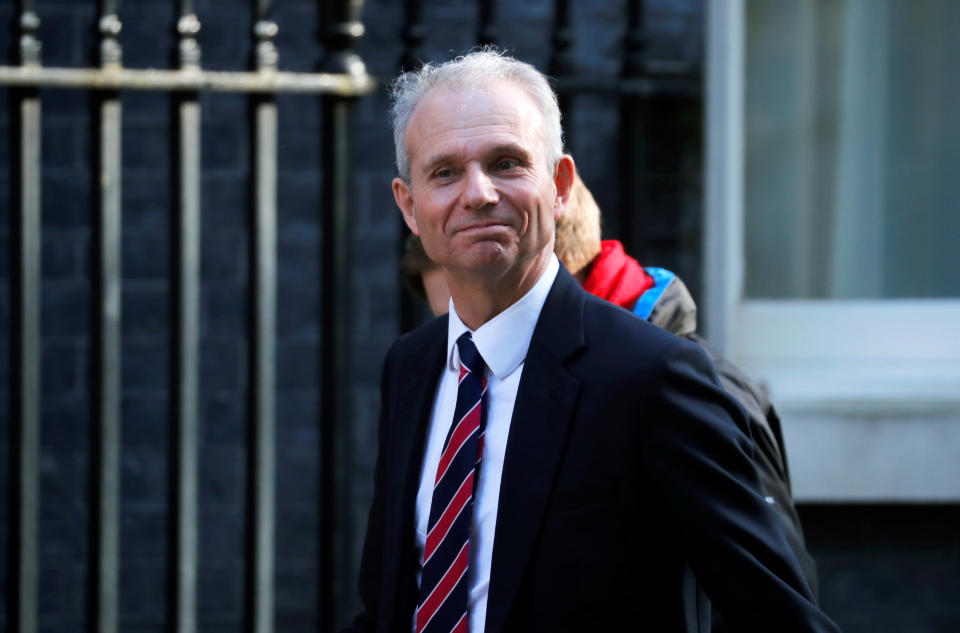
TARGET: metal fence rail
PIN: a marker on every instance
(265, 82)
(25, 427)
(186, 338)
(344, 77)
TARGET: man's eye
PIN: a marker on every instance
(443, 173)
(506, 165)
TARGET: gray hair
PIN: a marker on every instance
(477, 68)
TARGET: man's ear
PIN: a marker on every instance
(404, 198)
(563, 179)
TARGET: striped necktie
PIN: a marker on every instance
(442, 607)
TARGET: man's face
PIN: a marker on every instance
(483, 199)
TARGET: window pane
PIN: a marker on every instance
(852, 149)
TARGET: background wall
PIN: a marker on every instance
(882, 568)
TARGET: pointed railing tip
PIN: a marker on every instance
(111, 54)
(267, 56)
(188, 26)
(341, 58)
(29, 22)
(30, 47)
(344, 28)
(347, 63)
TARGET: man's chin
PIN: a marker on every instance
(484, 256)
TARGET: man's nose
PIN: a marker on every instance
(479, 189)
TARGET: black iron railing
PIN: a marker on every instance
(343, 78)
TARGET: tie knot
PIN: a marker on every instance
(470, 358)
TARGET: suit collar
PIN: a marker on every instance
(546, 399)
(424, 357)
(417, 390)
(559, 331)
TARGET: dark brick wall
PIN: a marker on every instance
(667, 233)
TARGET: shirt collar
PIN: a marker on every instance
(503, 340)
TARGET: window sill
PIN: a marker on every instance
(860, 456)
(869, 395)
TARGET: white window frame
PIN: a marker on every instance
(868, 391)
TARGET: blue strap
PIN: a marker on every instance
(661, 279)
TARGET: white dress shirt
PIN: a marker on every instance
(502, 342)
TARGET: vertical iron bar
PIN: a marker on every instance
(186, 334)
(336, 561)
(107, 338)
(413, 34)
(25, 440)
(633, 112)
(336, 370)
(562, 63)
(262, 366)
(635, 42)
(263, 354)
(488, 33)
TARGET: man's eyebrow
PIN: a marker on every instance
(512, 149)
(438, 160)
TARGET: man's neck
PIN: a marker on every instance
(480, 297)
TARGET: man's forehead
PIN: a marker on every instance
(473, 110)
(466, 102)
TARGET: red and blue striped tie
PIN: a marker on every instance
(442, 606)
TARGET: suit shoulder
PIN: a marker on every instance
(618, 331)
(415, 341)
(410, 352)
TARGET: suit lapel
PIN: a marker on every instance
(412, 439)
(544, 408)
(416, 398)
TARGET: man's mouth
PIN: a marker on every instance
(484, 227)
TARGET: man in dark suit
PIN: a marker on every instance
(548, 461)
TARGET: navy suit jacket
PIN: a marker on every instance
(625, 459)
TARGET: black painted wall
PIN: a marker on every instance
(667, 233)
